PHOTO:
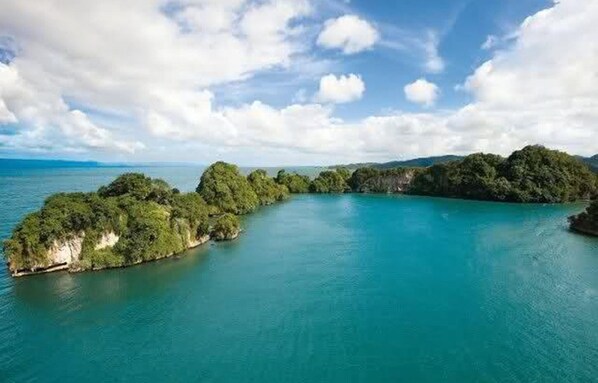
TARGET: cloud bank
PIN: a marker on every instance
(84, 80)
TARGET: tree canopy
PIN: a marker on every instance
(267, 190)
(533, 174)
(150, 220)
(226, 227)
(329, 181)
(294, 182)
(223, 186)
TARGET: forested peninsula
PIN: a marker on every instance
(137, 219)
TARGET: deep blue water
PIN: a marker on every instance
(352, 288)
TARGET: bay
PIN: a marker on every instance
(348, 288)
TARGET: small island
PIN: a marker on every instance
(137, 219)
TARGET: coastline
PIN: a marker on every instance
(66, 267)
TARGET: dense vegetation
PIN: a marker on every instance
(266, 189)
(413, 163)
(226, 227)
(151, 220)
(223, 186)
(533, 174)
(587, 221)
(294, 182)
(144, 218)
(330, 181)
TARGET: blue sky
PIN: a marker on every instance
(292, 82)
(461, 26)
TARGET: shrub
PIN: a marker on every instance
(227, 227)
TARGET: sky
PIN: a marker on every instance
(295, 82)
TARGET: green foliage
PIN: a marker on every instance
(294, 182)
(227, 227)
(194, 210)
(222, 185)
(587, 221)
(329, 182)
(149, 235)
(371, 180)
(267, 190)
(136, 185)
(150, 219)
(26, 248)
(533, 174)
(541, 175)
(344, 173)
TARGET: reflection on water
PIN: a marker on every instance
(107, 286)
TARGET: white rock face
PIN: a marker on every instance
(67, 251)
(108, 239)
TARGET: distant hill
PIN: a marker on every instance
(413, 163)
(592, 162)
(8, 163)
(423, 162)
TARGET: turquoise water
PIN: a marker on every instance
(353, 288)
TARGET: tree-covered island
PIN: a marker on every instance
(137, 219)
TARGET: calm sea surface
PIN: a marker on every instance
(353, 288)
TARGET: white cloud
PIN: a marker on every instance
(340, 89)
(349, 33)
(51, 124)
(542, 89)
(434, 62)
(156, 72)
(421, 92)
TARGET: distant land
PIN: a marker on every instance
(413, 163)
(9, 163)
(592, 162)
(423, 162)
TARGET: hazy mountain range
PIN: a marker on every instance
(592, 162)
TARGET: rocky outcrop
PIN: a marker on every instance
(587, 221)
(198, 241)
(108, 239)
(225, 235)
(61, 255)
(64, 254)
(390, 181)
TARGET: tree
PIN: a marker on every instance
(227, 227)
(223, 186)
(329, 182)
(294, 182)
(136, 185)
(267, 190)
(533, 174)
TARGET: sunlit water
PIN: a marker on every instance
(353, 288)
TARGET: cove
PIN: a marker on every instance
(335, 288)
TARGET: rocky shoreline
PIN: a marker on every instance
(59, 264)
